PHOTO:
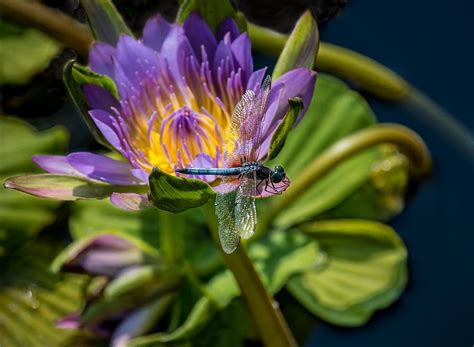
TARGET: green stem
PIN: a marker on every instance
(372, 76)
(262, 306)
(171, 236)
(53, 22)
(407, 141)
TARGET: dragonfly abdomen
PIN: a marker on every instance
(232, 171)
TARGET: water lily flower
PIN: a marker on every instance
(104, 255)
(122, 263)
(177, 88)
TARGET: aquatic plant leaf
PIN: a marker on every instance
(283, 129)
(74, 77)
(32, 299)
(91, 218)
(382, 196)
(363, 269)
(176, 194)
(105, 21)
(23, 215)
(301, 47)
(212, 11)
(284, 255)
(25, 52)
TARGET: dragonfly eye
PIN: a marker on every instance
(278, 174)
(279, 169)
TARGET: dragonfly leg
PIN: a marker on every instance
(267, 186)
(258, 185)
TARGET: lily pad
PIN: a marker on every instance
(363, 269)
(32, 299)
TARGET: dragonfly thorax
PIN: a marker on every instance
(265, 173)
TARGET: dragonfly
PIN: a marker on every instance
(243, 175)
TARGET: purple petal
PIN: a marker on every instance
(110, 241)
(99, 98)
(103, 168)
(276, 188)
(71, 321)
(141, 175)
(130, 201)
(155, 32)
(204, 161)
(59, 187)
(271, 120)
(241, 47)
(299, 82)
(255, 80)
(199, 34)
(228, 25)
(223, 60)
(137, 323)
(104, 254)
(56, 164)
(101, 58)
(227, 187)
(175, 50)
(109, 262)
(104, 121)
(135, 61)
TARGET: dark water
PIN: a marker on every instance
(430, 44)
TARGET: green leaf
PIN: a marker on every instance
(91, 218)
(212, 11)
(32, 299)
(176, 194)
(301, 47)
(24, 52)
(105, 21)
(63, 187)
(83, 75)
(74, 76)
(365, 270)
(283, 129)
(382, 196)
(22, 215)
(335, 112)
(283, 256)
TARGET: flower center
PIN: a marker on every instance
(183, 135)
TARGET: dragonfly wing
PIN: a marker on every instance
(225, 211)
(236, 136)
(245, 209)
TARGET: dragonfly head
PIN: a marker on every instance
(278, 174)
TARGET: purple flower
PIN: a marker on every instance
(104, 255)
(177, 86)
(122, 265)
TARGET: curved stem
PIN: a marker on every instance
(262, 306)
(372, 76)
(56, 24)
(407, 141)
